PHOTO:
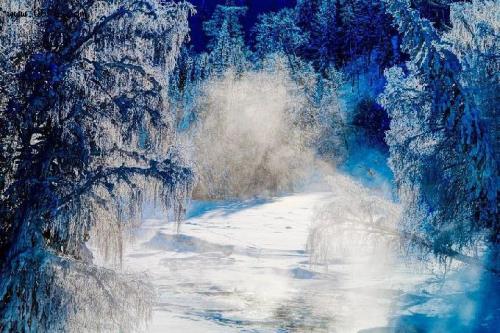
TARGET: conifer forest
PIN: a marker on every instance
(264, 166)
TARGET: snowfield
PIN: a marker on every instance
(243, 267)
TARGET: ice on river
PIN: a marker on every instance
(243, 267)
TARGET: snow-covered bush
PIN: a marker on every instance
(354, 223)
(86, 137)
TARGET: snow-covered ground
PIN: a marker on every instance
(242, 267)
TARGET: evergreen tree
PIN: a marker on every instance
(436, 11)
(226, 45)
(367, 32)
(279, 33)
(342, 32)
(306, 10)
(86, 138)
(327, 31)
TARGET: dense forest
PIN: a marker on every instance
(110, 107)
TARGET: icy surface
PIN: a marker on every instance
(242, 267)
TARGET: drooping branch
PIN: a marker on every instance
(72, 50)
(166, 172)
(407, 236)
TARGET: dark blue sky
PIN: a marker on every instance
(205, 9)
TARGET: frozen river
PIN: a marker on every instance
(242, 267)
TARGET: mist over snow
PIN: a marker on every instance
(252, 137)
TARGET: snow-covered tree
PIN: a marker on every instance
(474, 39)
(345, 31)
(326, 116)
(279, 33)
(440, 150)
(86, 137)
(327, 31)
(226, 45)
(306, 11)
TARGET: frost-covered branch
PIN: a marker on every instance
(167, 172)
